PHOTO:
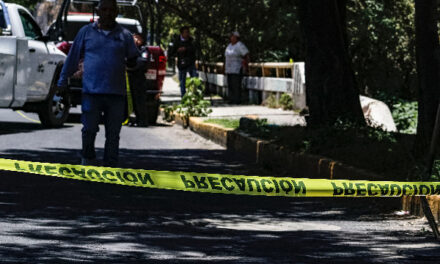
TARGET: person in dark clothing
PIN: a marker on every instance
(183, 48)
(138, 84)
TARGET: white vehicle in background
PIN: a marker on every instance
(30, 67)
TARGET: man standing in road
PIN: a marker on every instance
(106, 49)
(184, 49)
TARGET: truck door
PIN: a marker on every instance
(7, 60)
(38, 57)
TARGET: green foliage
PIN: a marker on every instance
(269, 28)
(271, 101)
(286, 102)
(382, 45)
(380, 33)
(227, 123)
(192, 103)
(405, 116)
(168, 111)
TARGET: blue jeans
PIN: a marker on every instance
(111, 107)
(182, 77)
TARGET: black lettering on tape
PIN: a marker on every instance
(404, 187)
(215, 185)
(435, 189)
(360, 187)
(277, 188)
(394, 187)
(300, 186)
(37, 169)
(251, 187)
(225, 185)
(106, 174)
(424, 190)
(188, 183)
(370, 186)
(383, 189)
(201, 183)
(241, 184)
(131, 177)
(51, 170)
(93, 173)
(65, 171)
(337, 190)
(118, 174)
(265, 188)
(348, 188)
(285, 188)
(81, 173)
(146, 179)
(416, 190)
(17, 167)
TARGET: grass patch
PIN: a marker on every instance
(224, 122)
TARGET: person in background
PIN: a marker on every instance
(236, 64)
(107, 49)
(138, 83)
(184, 49)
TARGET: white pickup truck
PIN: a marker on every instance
(30, 67)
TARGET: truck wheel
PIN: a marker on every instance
(55, 109)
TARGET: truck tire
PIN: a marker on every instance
(53, 112)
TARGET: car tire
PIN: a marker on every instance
(53, 112)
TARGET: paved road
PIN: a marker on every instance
(50, 220)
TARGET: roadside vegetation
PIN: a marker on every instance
(224, 122)
(192, 103)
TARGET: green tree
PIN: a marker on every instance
(331, 89)
(428, 52)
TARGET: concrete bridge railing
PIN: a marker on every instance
(263, 80)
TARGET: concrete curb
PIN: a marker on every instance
(301, 165)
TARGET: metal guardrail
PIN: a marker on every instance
(257, 69)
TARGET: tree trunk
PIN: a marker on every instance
(427, 58)
(330, 84)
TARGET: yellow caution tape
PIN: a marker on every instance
(223, 183)
(129, 100)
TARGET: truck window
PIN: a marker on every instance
(2, 18)
(31, 29)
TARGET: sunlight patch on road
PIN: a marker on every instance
(270, 226)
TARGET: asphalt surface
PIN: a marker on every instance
(51, 220)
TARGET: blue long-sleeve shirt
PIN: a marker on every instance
(105, 57)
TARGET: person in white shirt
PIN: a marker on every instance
(236, 62)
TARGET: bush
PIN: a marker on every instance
(192, 103)
(271, 102)
(286, 102)
(405, 116)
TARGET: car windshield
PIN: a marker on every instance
(74, 25)
(81, 14)
(2, 18)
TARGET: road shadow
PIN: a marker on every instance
(75, 118)
(23, 127)
(52, 220)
